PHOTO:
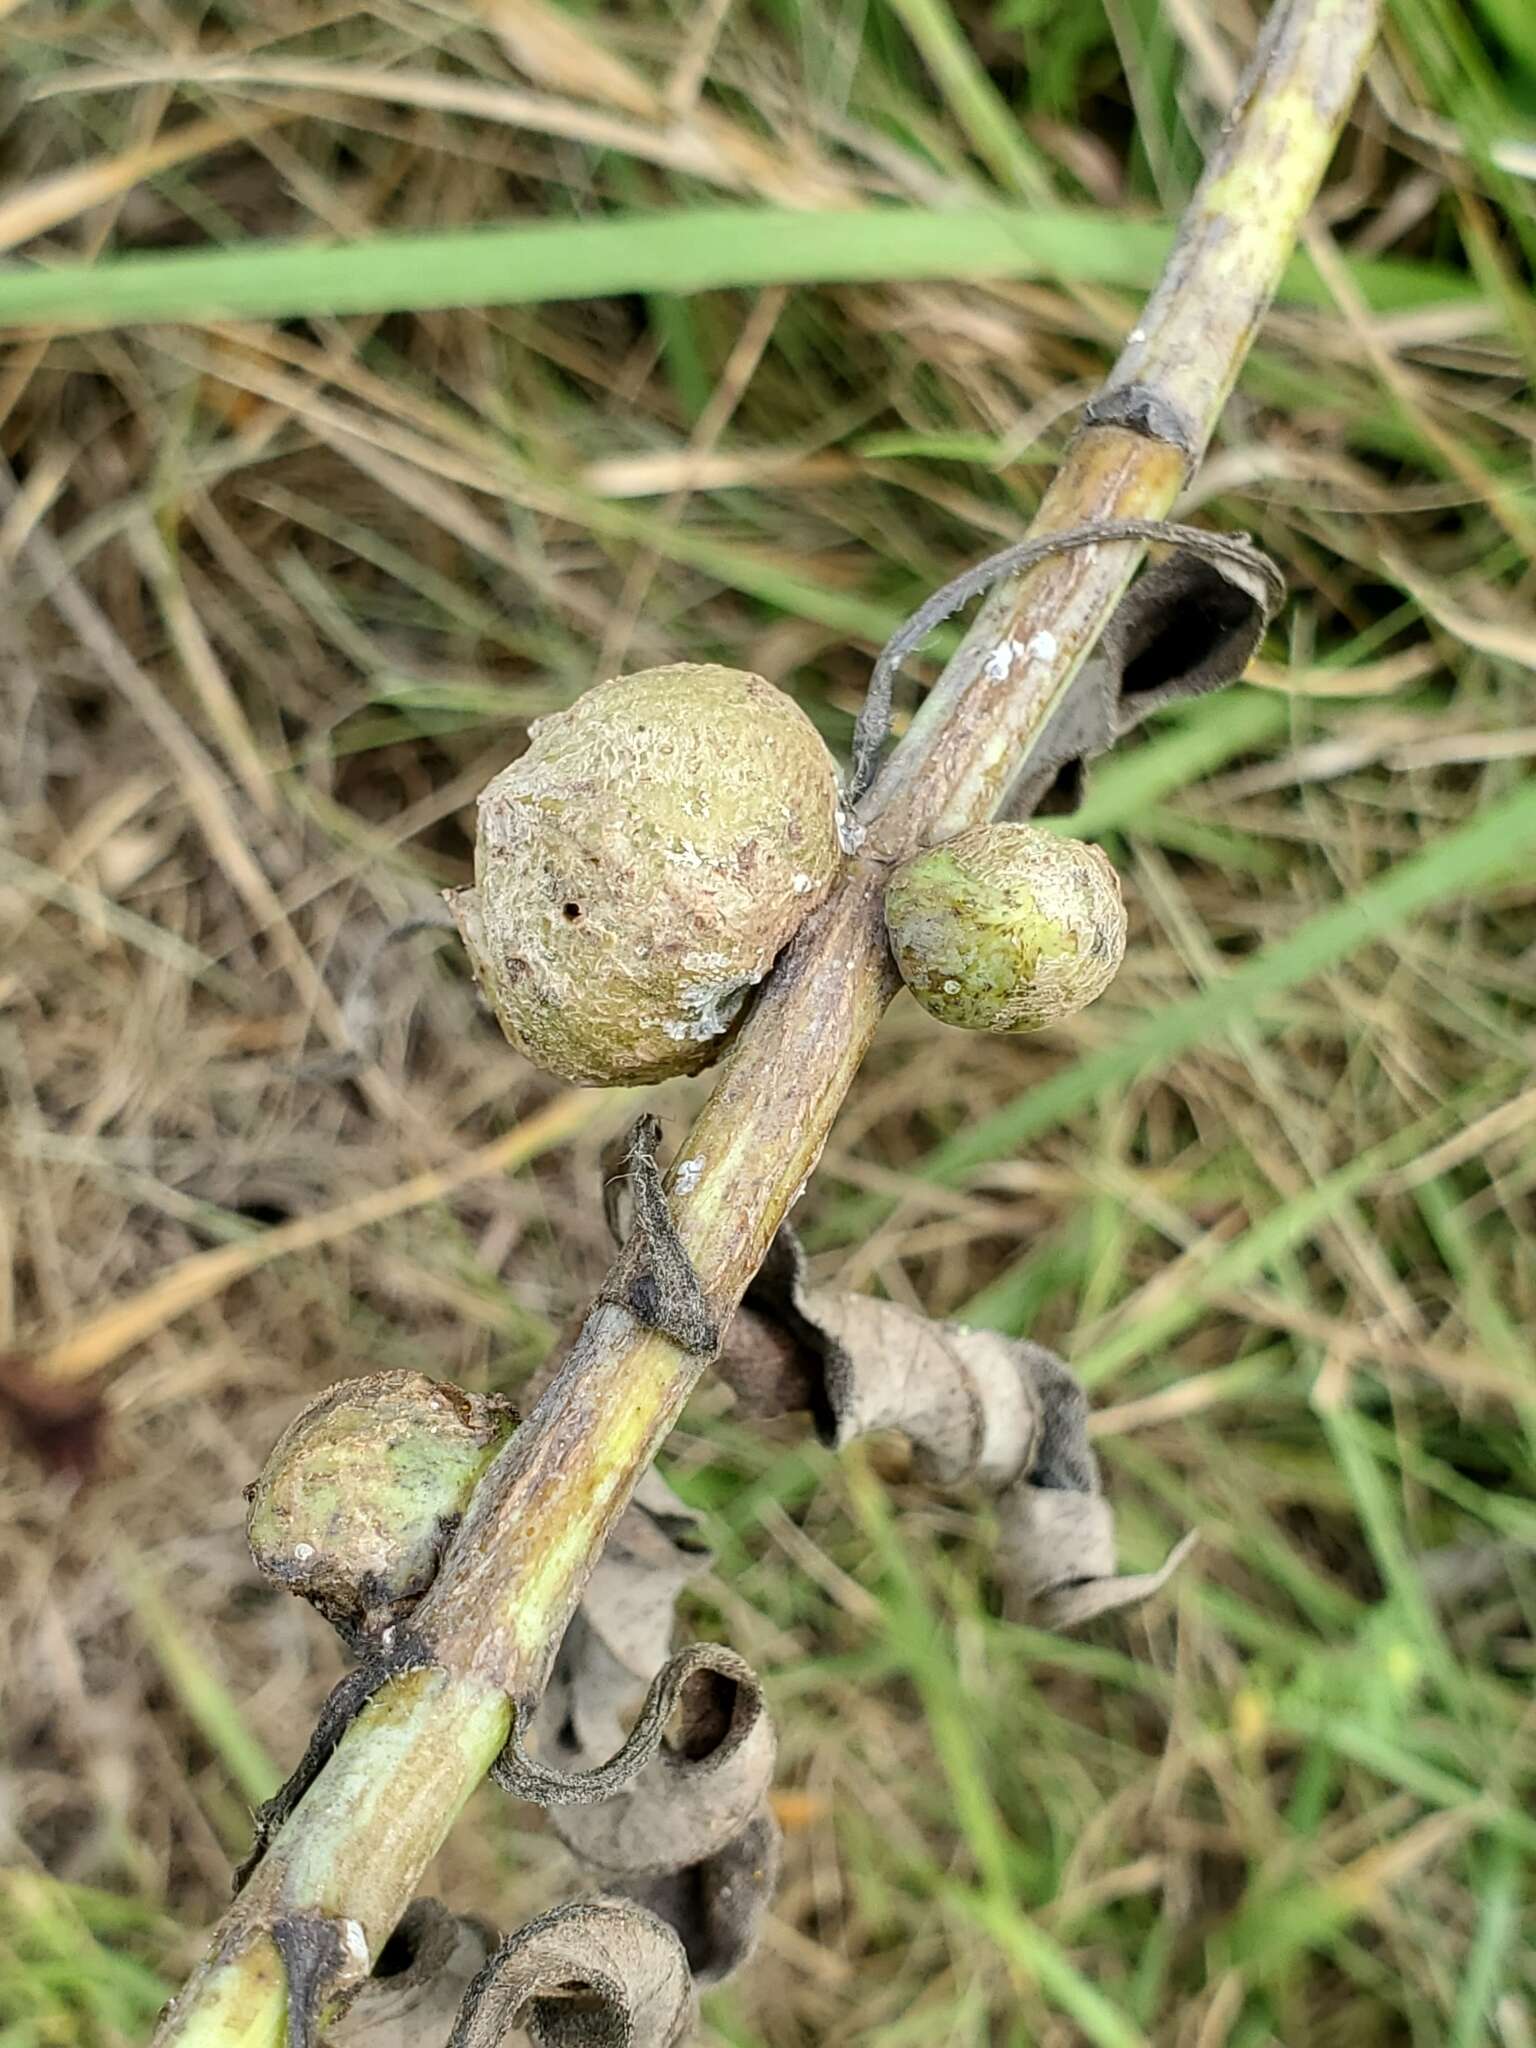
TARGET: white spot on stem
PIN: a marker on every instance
(689, 1174)
(1001, 661)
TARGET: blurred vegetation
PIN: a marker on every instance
(1273, 1194)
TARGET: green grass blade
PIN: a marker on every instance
(204, 1697)
(1488, 1960)
(976, 102)
(1410, 1770)
(1033, 1951)
(684, 251)
(995, 1905)
(1233, 1268)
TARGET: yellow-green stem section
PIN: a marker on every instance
(357, 1843)
(354, 1847)
(1245, 216)
(240, 2001)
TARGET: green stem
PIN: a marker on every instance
(356, 1845)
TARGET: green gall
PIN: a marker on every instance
(640, 867)
(364, 1488)
(1006, 927)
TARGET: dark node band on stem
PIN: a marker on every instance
(1141, 410)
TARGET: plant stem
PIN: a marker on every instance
(357, 1843)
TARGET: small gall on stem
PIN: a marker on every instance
(1006, 927)
(363, 1490)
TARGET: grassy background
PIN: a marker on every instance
(282, 595)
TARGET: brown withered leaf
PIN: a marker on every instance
(413, 1998)
(701, 1787)
(683, 1682)
(717, 1906)
(602, 1973)
(676, 1818)
(996, 1412)
(678, 1826)
(1059, 1557)
(771, 1374)
(1187, 626)
(672, 1816)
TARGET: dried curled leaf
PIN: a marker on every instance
(700, 1788)
(603, 1973)
(678, 1828)
(433, 1955)
(996, 1412)
(677, 1684)
(959, 1394)
(717, 1906)
(675, 1823)
(1059, 1557)
(1187, 626)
